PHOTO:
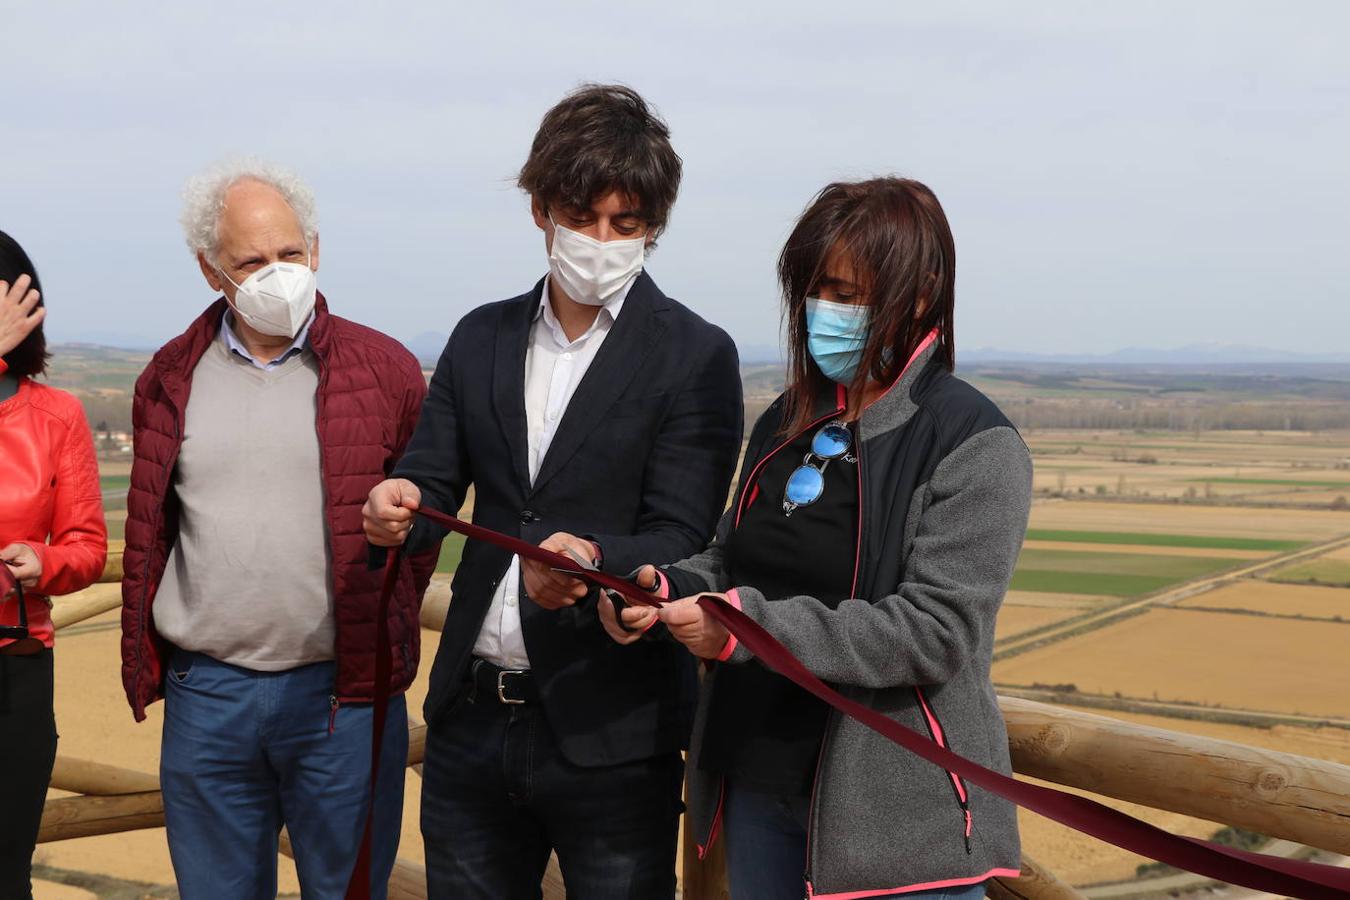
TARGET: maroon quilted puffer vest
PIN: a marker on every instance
(369, 396)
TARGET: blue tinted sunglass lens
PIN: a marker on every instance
(831, 441)
(805, 485)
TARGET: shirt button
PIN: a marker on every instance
(567, 355)
(510, 601)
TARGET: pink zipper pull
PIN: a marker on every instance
(969, 825)
(332, 712)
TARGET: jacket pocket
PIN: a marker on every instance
(962, 795)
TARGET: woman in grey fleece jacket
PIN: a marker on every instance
(943, 485)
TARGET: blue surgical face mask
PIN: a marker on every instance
(835, 336)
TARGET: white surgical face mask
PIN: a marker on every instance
(277, 299)
(590, 271)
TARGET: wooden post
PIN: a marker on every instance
(73, 817)
(1278, 794)
(90, 602)
(112, 569)
(436, 603)
(81, 776)
(1035, 883)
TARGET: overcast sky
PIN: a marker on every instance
(1117, 175)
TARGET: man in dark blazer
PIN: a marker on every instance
(598, 417)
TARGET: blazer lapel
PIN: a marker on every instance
(508, 378)
(625, 350)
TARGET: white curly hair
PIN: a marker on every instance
(204, 200)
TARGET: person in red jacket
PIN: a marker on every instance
(52, 541)
(248, 603)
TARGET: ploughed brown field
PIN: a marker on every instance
(1200, 657)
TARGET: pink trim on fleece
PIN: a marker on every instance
(735, 600)
(911, 888)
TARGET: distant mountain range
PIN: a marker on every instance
(1206, 354)
(428, 345)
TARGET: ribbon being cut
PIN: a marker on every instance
(1295, 878)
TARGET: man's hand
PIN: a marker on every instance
(23, 563)
(554, 590)
(703, 635)
(19, 313)
(389, 510)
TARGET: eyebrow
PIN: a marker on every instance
(836, 282)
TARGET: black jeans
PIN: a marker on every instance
(498, 796)
(27, 751)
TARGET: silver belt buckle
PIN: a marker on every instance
(501, 686)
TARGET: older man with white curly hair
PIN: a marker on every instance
(248, 602)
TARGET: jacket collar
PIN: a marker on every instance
(175, 360)
(626, 347)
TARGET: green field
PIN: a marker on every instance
(451, 551)
(1334, 572)
(1161, 540)
(1110, 574)
(114, 482)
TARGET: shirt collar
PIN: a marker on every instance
(232, 342)
(609, 313)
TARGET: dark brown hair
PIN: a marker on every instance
(29, 359)
(602, 138)
(903, 255)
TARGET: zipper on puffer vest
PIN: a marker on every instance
(939, 737)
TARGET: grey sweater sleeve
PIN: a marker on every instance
(965, 547)
(705, 571)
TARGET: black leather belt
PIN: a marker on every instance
(512, 687)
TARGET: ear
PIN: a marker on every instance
(212, 274)
(540, 215)
(314, 253)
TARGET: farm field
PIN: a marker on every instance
(1299, 525)
(1312, 601)
(1210, 659)
(1328, 569)
(1017, 619)
(1091, 570)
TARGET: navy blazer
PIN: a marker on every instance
(641, 463)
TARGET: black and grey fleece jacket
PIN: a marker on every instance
(944, 494)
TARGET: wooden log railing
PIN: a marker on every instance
(1282, 795)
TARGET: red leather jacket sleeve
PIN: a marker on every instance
(77, 549)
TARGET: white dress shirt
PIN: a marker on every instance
(554, 367)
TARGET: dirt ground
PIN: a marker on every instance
(1236, 661)
(1271, 597)
(1167, 518)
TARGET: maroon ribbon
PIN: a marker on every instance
(1295, 878)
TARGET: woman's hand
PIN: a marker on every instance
(690, 625)
(24, 564)
(637, 618)
(19, 313)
